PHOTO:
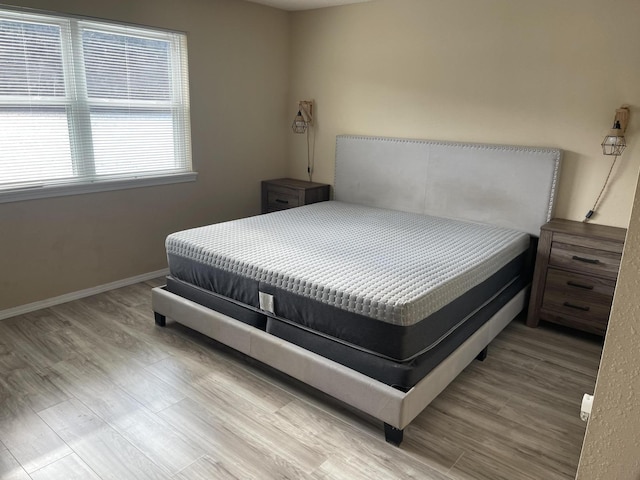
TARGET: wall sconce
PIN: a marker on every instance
(304, 118)
(302, 124)
(613, 144)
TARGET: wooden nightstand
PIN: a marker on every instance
(575, 275)
(283, 193)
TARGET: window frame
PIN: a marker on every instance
(77, 98)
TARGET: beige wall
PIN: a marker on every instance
(534, 73)
(543, 73)
(238, 57)
(612, 444)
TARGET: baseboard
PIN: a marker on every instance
(68, 297)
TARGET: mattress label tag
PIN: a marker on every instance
(266, 302)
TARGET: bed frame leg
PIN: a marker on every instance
(393, 435)
(161, 320)
(482, 356)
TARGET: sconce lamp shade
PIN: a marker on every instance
(304, 118)
(299, 125)
(614, 143)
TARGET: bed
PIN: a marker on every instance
(387, 292)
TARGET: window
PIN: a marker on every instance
(87, 105)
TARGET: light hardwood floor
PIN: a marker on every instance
(92, 389)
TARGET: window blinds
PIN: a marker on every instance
(86, 101)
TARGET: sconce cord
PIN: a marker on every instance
(593, 209)
(309, 169)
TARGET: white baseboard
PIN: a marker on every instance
(68, 297)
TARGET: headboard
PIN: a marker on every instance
(502, 185)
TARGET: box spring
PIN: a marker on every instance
(402, 375)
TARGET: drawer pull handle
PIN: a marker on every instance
(279, 200)
(594, 261)
(579, 285)
(577, 307)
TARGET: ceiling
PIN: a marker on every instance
(305, 4)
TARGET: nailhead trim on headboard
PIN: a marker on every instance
(547, 153)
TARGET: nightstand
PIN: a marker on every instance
(575, 275)
(283, 193)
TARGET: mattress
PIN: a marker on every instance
(390, 283)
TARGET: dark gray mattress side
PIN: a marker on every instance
(397, 343)
(402, 375)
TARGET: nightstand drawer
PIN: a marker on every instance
(577, 300)
(588, 242)
(278, 197)
(580, 322)
(579, 288)
(586, 309)
(587, 260)
(284, 193)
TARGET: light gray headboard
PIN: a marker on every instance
(497, 184)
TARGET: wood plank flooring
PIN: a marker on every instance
(92, 389)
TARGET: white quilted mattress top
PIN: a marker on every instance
(393, 266)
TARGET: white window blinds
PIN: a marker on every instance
(84, 102)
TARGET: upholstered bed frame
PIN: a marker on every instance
(508, 186)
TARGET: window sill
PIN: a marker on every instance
(47, 191)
